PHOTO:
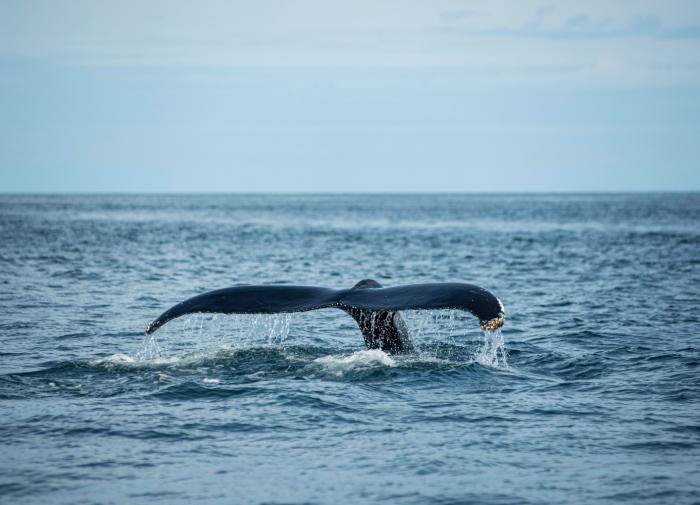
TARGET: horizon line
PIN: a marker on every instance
(332, 192)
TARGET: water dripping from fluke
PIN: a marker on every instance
(440, 336)
(493, 353)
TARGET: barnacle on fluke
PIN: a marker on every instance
(496, 322)
(493, 324)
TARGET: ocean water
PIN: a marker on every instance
(589, 394)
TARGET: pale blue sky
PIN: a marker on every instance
(355, 96)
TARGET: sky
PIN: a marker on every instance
(361, 96)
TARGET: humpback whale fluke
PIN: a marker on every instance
(375, 308)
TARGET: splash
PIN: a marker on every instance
(443, 336)
(360, 360)
(203, 333)
(438, 333)
(150, 350)
(493, 352)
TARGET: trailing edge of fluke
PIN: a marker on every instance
(375, 308)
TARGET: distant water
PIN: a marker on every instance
(591, 393)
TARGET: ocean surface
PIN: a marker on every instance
(590, 393)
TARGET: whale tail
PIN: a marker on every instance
(381, 329)
(375, 309)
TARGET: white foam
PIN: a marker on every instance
(137, 362)
(211, 381)
(113, 359)
(340, 365)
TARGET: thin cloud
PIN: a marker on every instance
(582, 26)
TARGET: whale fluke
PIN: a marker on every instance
(375, 308)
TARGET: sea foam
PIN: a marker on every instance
(340, 365)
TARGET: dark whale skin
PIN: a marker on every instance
(374, 308)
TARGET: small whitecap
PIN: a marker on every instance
(211, 381)
(162, 377)
(113, 359)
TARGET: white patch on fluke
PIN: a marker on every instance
(340, 365)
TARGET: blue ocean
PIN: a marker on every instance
(590, 392)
